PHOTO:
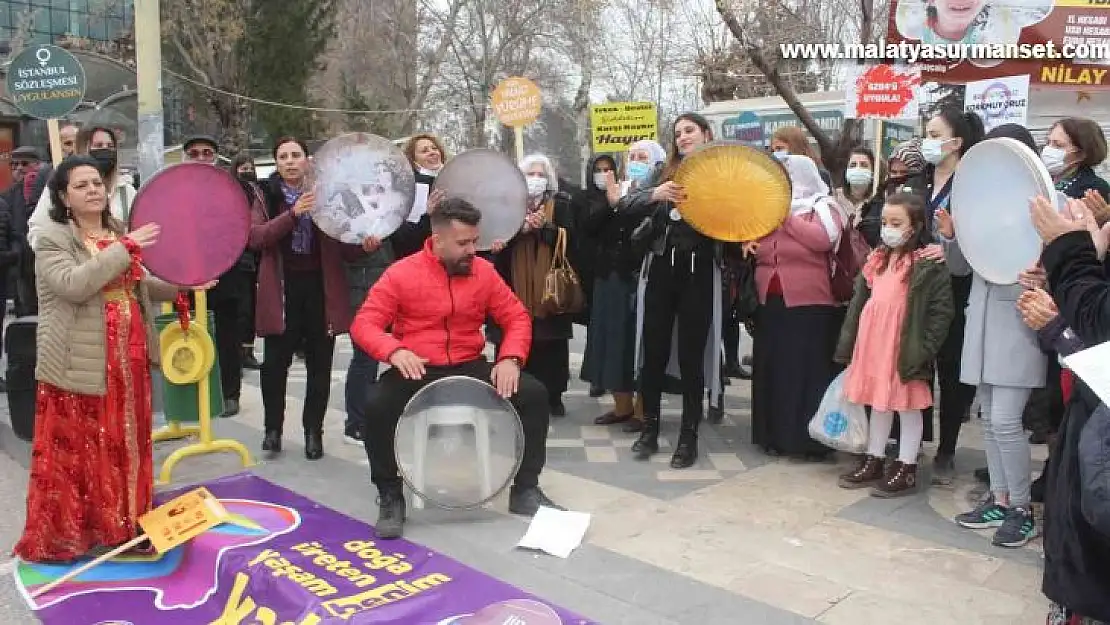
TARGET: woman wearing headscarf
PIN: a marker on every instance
(679, 301)
(793, 141)
(302, 295)
(798, 322)
(906, 168)
(526, 261)
(609, 361)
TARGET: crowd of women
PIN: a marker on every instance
(665, 304)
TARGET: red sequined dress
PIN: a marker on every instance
(91, 473)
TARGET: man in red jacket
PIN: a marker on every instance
(435, 303)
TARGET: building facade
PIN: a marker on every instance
(50, 21)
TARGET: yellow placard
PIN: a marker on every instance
(517, 102)
(182, 519)
(617, 125)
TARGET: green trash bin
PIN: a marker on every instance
(179, 401)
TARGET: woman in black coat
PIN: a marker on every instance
(1077, 555)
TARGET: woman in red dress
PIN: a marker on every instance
(91, 475)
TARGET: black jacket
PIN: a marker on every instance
(9, 240)
(1077, 557)
(1084, 179)
(409, 237)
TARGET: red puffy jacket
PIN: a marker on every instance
(440, 317)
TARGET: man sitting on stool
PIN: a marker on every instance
(436, 302)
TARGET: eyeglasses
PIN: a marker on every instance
(205, 153)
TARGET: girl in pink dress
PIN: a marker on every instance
(895, 325)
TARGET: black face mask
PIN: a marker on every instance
(248, 176)
(105, 159)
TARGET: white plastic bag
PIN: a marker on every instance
(839, 423)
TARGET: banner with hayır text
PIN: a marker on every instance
(1016, 32)
(617, 125)
(283, 559)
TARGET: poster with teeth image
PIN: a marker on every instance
(365, 188)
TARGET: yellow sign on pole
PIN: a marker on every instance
(617, 125)
(183, 519)
(517, 102)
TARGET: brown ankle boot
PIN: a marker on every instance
(900, 480)
(869, 471)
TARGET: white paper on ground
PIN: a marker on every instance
(419, 203)
(557, 532)
(1092, 365)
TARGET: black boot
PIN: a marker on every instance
(686, 452)
(272, 443)
(648, 443)
(314, 445)
(391, 513)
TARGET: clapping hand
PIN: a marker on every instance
(750, 249)
(945, 225)
(933, 252)
(1032, 278)
(1036, 308)
(1050, 223)
(669, 192)
(146, 235)
(534, 221)
(1097, 206)
(497, 246)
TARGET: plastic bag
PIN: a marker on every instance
(839, 423)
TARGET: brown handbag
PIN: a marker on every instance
(562, 290)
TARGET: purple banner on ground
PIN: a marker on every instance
(283, 559)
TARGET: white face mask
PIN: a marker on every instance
(933, 150)
(781, 154)
(429, 172)
(536, 185)
(858, 176)
(1055, 159)
(601, 180)
(893, 237)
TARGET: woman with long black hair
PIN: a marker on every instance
(679, 302)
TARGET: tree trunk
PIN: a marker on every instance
(834, 154)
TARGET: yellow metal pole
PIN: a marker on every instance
(204, 390)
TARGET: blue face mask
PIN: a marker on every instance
(638, 170)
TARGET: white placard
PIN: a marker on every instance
(999, 100)
(419, 203)
(1092, 365)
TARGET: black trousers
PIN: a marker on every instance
(549, 362)
(227, 303)
(305, 324)
(246, 310)
(392, 392)
(955, 397)
(679, 288)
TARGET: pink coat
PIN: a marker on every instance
(799, 253)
